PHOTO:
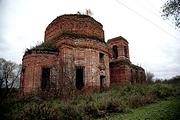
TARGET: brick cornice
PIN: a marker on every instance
(83, 43)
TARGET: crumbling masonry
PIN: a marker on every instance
(77, 52)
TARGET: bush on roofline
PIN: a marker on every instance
(45, 46)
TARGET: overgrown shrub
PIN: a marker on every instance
(45, 46)
(149, 98)
(103, 107)
(135, 101)
(114, 106)
(87, 106)
(35, 111)
(71, 112)
(52, 93)
(163, 90)
(91, 109)
(133, 89)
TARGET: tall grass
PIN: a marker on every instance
(118, 99)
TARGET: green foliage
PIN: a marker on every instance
(118, 99)
(71, 112)
(42, 111)
(103, 108)
(45, 46)
(91, 110)
(114, 106)
(134, 89)
(135, 101)
(163, 90)
(161, 110)
(82, 36)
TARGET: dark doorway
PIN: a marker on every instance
(115, 52)
(79, 78)
(45, 83)
(102, 82)
(132, 77)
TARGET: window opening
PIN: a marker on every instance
(79, 78)
(125, 51)
(132, 77)
(115, 52)
(102, 82)
(101, 57)
(45, 83)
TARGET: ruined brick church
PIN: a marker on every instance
(74, 50)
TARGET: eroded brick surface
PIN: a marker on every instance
(121, 69)
(81, 47)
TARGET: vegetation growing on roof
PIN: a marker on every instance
(45, 46)
(82, 36)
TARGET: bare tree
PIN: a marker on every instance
(171, 10)
(9, 75)
(88, 12)
(149, 77)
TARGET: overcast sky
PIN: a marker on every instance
(153, 42)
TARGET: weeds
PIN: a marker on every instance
(70, 112)
(41, 111)
(93, 105)
(163, 90)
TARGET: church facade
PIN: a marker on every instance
(74, 52)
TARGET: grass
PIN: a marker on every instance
(129, 102)
(162, 110)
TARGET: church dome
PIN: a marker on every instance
(76, 25)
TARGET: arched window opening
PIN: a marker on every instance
(125, 51)
(115, 52)
(101, 57)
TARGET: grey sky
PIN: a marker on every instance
(154, 43)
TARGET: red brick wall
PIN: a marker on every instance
(32, 64)
(82, 50)
(121, 69)
(120, 42)
(85, 52)
(73, 50)
(137, 75)
(119, 73)
(78, 24)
